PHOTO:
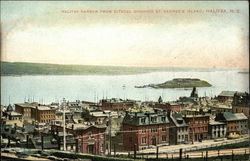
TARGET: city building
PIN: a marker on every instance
(25, 109)
(116, 104)
(237, 123)
(241, 103)
(226, 95)
(144, 130)
(90, 138)
(217, 129)
(43, 114)
(179, 131)
(170, 106)
(198, 127)
(11, 114)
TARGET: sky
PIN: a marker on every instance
(49, 32)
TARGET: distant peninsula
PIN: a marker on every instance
(179, 83)
(244, 72)
(25, 68)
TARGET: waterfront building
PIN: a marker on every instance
(117, 104)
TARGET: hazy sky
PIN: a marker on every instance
(41, 32)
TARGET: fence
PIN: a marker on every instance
(197, 151)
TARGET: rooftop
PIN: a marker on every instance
(212, 122)
(227, 93)
(234, 116)
(43, 108)
(178, 119)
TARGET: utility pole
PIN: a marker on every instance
(193, 130)
(109, 133)
(64, 135)
(180, 154)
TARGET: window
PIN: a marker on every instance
(143, 140)
(163, 119)
(154, 130)
(143, 120)
(153, 119)
(143, 131)
(164, 129)
(164, 138)
(130, 139)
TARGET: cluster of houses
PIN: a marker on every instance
(124, 125)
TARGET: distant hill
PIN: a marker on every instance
(22, 68)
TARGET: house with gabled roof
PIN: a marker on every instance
(237, 123)
(179, 131)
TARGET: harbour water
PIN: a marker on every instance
(53, 88)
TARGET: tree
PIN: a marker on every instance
(86, 115)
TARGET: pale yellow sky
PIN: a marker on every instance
(41, 32)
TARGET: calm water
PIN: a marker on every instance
(94, 87)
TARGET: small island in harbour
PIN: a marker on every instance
(179, 83)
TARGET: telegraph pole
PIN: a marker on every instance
(64, 136)
(109, 134)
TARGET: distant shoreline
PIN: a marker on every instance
(17, 69)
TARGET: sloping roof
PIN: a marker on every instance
(9, 108)
(227, 93)
(212, 122)
(43, 108)
(27, 104)
(241, 116)
(234, 116)
(145, 118)
(178, 120)
(13, 113)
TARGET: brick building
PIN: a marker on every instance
(90, 138)
(144, 130)
(117, 104)
(241, 103)
(35, 111)
(25, 109)
(43, 114)
(198, 127)
(172, 106)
